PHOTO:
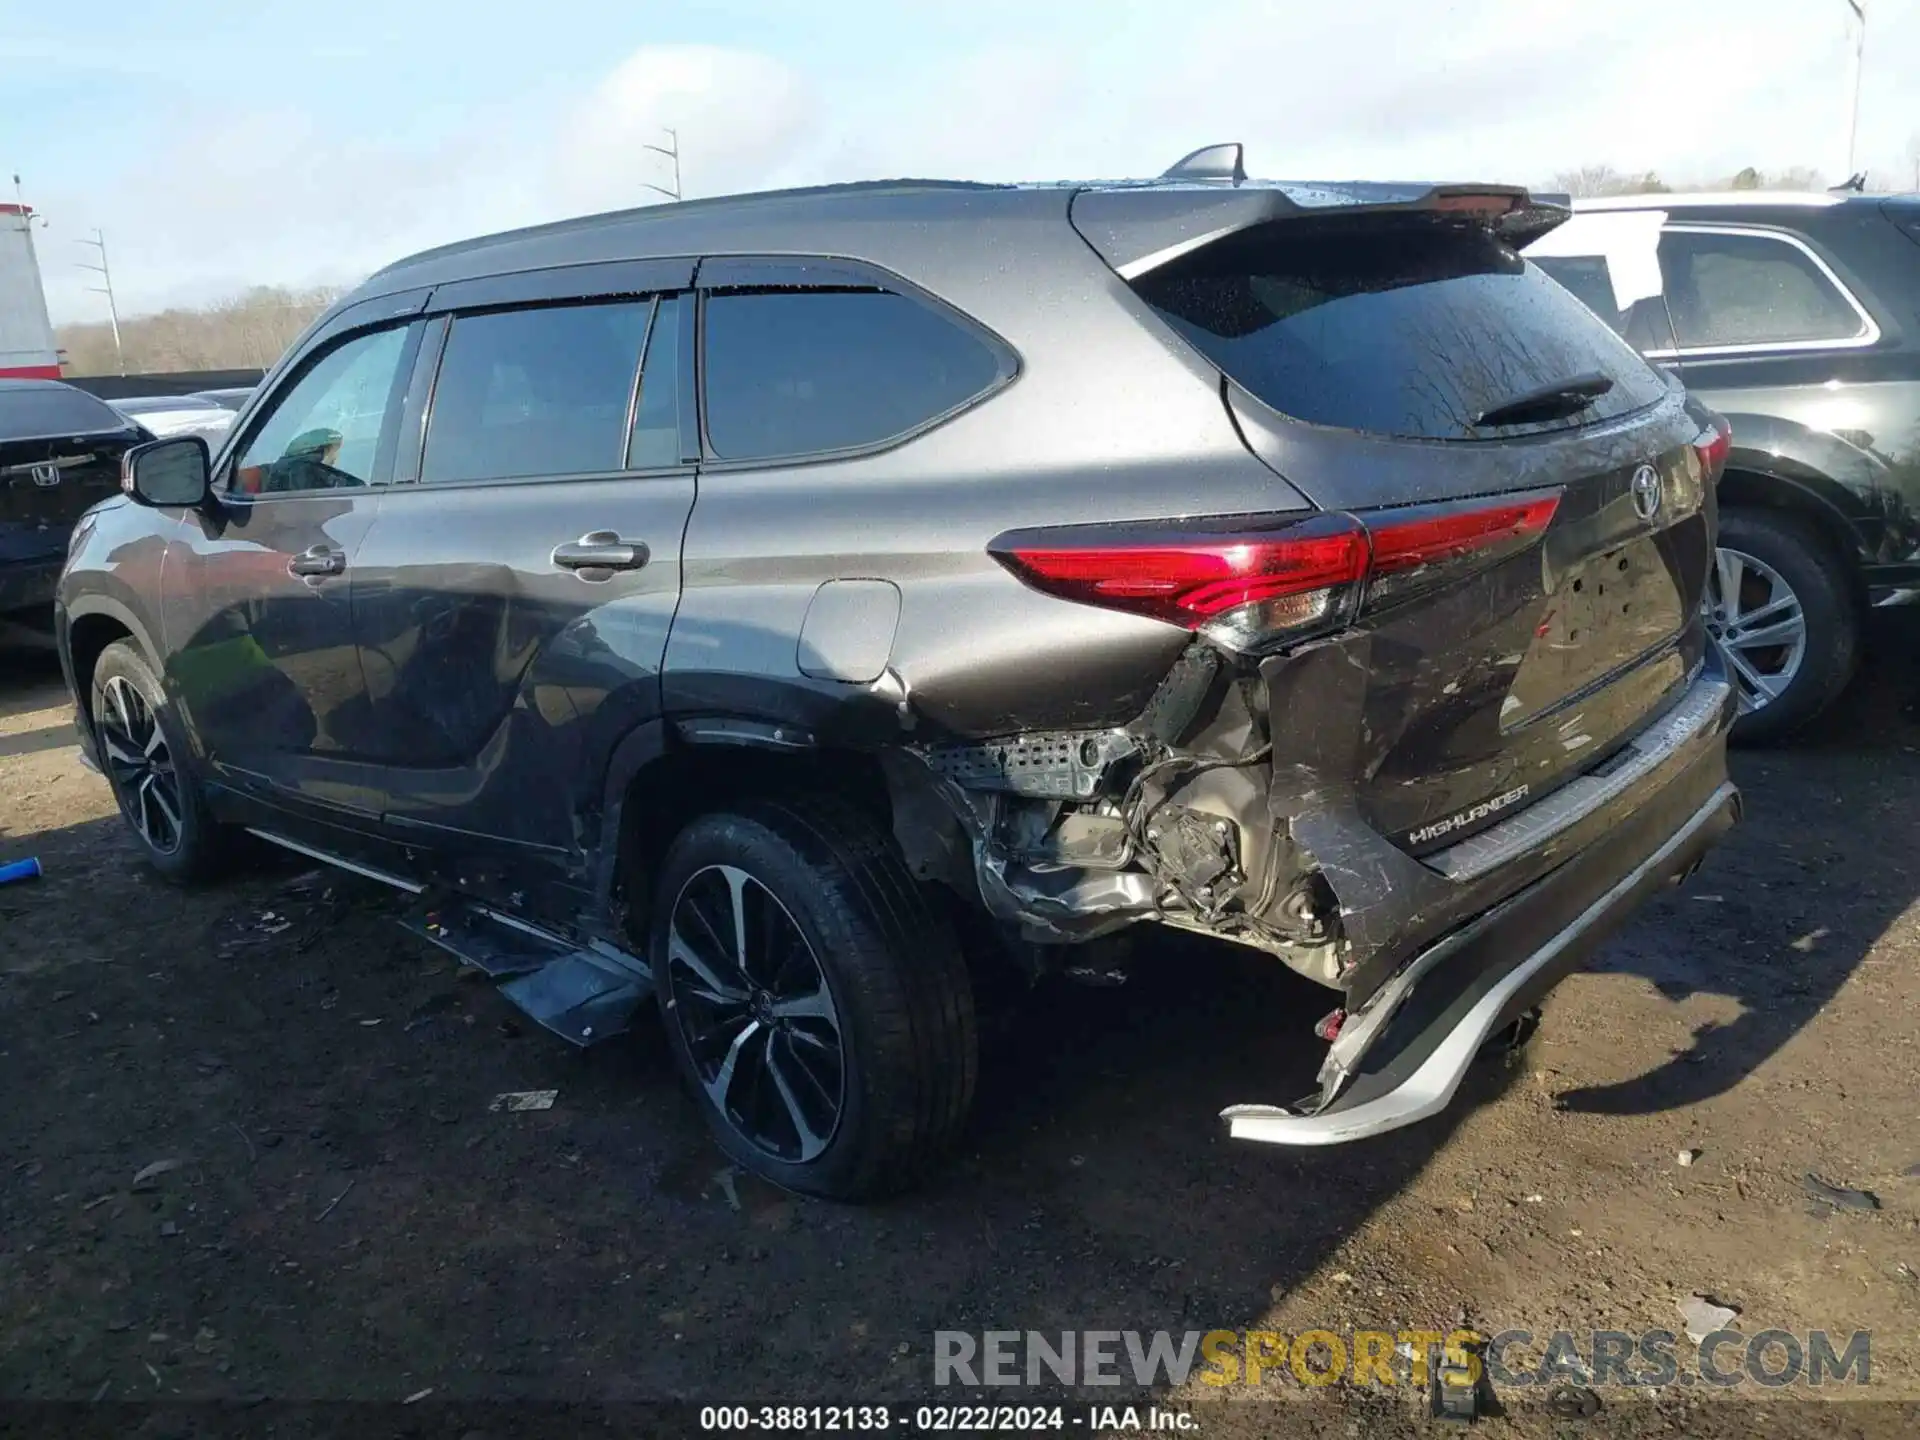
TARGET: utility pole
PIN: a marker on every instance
(99, 242)
(1859, 8)
(672, 152)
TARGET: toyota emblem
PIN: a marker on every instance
(1646, 492)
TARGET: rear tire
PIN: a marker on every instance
(143, 754)
(1781, 568)
(835, 1052)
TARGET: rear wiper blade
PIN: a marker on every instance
(1550, 402)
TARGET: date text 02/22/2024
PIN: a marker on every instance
(939, 1419)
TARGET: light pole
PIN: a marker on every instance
(1859, 8)
(673, 153)
(99, 242)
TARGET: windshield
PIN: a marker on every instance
(1410, 329)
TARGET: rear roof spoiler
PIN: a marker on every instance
(1139, 227)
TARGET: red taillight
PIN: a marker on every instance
(1252, 585)
(1449, 533)
(1712, 447)
(1191, 579)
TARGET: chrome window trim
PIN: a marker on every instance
(1870, 329)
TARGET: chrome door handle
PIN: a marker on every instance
(600, 550)
(319, 560)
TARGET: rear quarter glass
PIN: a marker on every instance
(1410, 329)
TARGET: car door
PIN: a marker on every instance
(513, 597)
(1773, 338)
(257, 585)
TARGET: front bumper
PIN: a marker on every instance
(1518, 907)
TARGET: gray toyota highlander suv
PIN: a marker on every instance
(738, 602)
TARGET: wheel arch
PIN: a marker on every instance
(92, 625)
(666, 773)
(1749, 487)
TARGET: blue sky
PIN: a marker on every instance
(221, 143)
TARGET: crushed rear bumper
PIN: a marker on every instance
(1461, 941)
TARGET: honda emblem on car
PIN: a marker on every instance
(46, 476)
(1646, 492)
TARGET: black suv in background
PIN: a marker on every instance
(1796, 316)
(60, 452)
(738, 602)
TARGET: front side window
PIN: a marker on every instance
(1749, 289)
(807, 372)
(535, 392)
(324, 432)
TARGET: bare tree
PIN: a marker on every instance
(1592, 180)
(1795, 177)
(245, 332)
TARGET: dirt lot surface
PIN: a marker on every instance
(336, 1214)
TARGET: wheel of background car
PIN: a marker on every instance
(141, 754)
(816, 1004)
(1779, 604)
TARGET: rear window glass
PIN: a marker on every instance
(28, 412)
(1408, 330)
(801, 372)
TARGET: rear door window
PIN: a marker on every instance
(813, 371)
(1412, 329)
(1740, 288)
(535, 392)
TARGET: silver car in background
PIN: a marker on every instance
(167, 416)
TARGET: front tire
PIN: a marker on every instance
(143, 754)
(1781, 606)
(816, 1005)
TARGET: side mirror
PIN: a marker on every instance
(168, 472)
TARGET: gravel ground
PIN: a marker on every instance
(339, 1216)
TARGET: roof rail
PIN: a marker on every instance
(1211, 162)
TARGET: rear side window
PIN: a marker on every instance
(1411, 330)
(803, 372)
(532, 392)
(1751, 289)
(30, 412)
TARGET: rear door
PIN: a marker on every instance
(59, 454)
(515, 595)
